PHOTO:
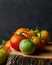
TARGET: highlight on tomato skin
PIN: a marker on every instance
(15, 41)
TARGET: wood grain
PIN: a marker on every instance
(18, 58)
(47, 53)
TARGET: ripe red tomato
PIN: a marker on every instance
(7, 45)
(41, 46)
(15, 40)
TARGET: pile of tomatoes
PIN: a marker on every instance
(23, 36)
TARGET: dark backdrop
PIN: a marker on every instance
(24, 13)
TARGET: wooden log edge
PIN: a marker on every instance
(41, 56)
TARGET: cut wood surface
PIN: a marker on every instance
(18, 58)
(45, 54)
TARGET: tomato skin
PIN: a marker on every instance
(23, 31)
(3, 56)
(32, 33)
(40, 44)
(40, 47)
(36, 40)
(26, 46)
(20, 30)
(45, 35)
(26, 35)
(15, 40)
(7, 45)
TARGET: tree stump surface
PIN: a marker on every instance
(40, 58)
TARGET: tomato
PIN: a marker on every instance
(20, 30)
(41, 46)
(32, 33)
(7, 45)
(15, 40)
(23, 31)
(36, 40)
(29, 33)
(3, 56)
(26, 46)
(26, 35)
(45, 35)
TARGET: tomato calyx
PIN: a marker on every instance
(2, 43)
(20, 34)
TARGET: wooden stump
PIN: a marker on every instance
(17, 58)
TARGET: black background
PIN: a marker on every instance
(24, 13)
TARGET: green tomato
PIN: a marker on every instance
(3, 56)
(26, 46)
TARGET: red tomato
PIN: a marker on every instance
(15, 40)
(7, 45)
(41, 46)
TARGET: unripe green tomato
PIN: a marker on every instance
(26, 46)
(3, 56)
